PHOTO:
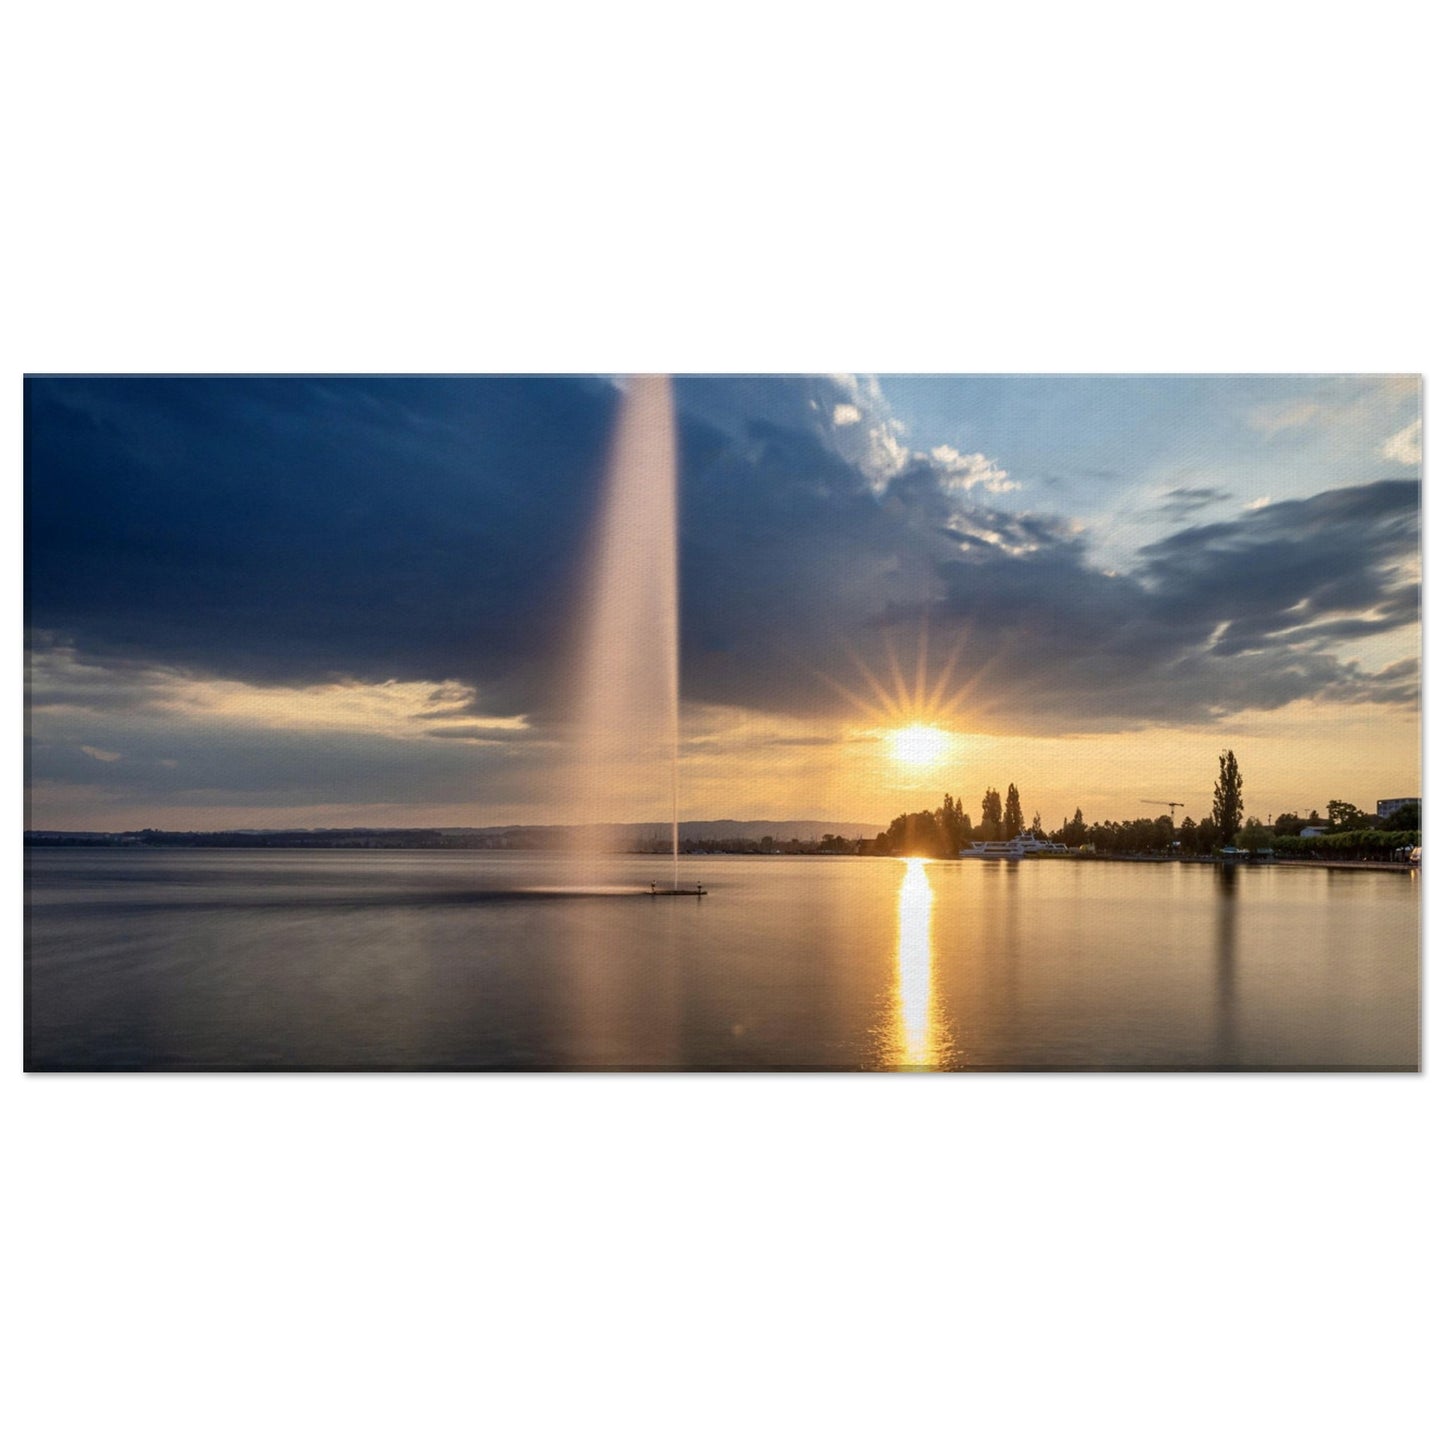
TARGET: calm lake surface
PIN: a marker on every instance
(141, 959)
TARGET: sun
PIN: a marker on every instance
(896, 712)
(919, 745)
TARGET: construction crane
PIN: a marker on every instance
(1160, 803)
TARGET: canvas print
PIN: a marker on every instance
(898, 723)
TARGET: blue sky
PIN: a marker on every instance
(1113, 450)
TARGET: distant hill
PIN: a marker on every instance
(691, 830)
(618, 836)
(755, 829)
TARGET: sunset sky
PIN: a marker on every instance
(261, 602)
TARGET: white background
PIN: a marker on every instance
(751, 187)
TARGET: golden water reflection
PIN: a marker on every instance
(916, 1041)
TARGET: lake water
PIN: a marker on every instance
(159, 959)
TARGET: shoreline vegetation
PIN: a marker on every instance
(1344, 835)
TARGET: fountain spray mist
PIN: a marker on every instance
(627, 708)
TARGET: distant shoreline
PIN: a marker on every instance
(763, 834)
(259, 846)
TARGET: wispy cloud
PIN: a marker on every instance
(1274, 418)
(70, 690)
(1404, 447)
(1340, 404)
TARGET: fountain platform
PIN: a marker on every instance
(698, 892)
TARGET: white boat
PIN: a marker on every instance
(992, 850)
(1026, 845)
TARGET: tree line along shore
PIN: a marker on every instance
(1344, 834)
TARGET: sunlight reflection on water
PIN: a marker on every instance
(916, 1042)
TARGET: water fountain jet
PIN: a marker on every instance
(627, 749)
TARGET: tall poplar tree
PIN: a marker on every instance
(1228, 798)
(992, 815)
(1013, 814)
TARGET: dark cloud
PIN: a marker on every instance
(1179, 503)
(215, 762)
(1239, 614)
(1324, 568)
(285, 530)
(828, 571)
(1244, 614)
(295, 530)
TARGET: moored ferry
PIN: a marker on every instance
(1026, 845)
(992, 850)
